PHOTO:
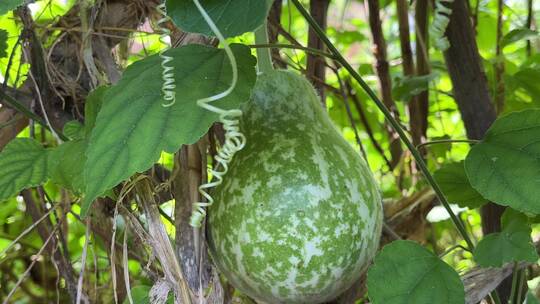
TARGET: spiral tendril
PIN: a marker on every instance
(234, 139)
(440, 23)
(168, 87)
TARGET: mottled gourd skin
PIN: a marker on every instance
(299, 215)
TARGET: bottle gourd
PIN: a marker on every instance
(298, 217)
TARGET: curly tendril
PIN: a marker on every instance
(168, 87)
(234, 139)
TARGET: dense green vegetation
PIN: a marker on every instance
(101, 172)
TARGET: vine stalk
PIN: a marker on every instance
(393, 122)
(264, 58)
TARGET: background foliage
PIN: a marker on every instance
(90, 101)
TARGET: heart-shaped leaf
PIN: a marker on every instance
(133, 127)
(512, 244)
(24, 164)
(505, 166)
(405, 272)
(232, 17)
(455, 185)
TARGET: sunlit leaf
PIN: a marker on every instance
(133, 127)
(405, 272)
(232, 17)
(9, 5)
(526, 79)
(24, 165)
(517, 35)
(455, 185)
(505, 166)
(512, 244)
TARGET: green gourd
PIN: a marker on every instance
(298, 216)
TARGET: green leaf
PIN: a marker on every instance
(408, 87)
(66, 165)
(232, 17)
(133, 127)
(505, 166)
(512, 244)
(517, 35)
(455, 185)
(74, 130)
(526, 79)
(405, 272)
(531, 298)
(9, 5)
(24, 165)
(3, 43)
(93, 103)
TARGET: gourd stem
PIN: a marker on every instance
(393, 122)
(264, 58)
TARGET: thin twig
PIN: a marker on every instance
(28, 230)
(83, 262)
(40, 100)
(34, 260)
(126, 266)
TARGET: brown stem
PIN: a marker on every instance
(365, 122)
(274, 20)
(472, 96)
(44, 230)
(190, 167)
(530, 15)
(383, 73)
(315, 64)
(419, 107)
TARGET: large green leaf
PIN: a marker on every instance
(133, 127)
(517, 35)
(505, 166)
(9, 5)
(3, 43)
(405, 272)
(24, 164)
(512, 244)
(232, 17)
(455, 185)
